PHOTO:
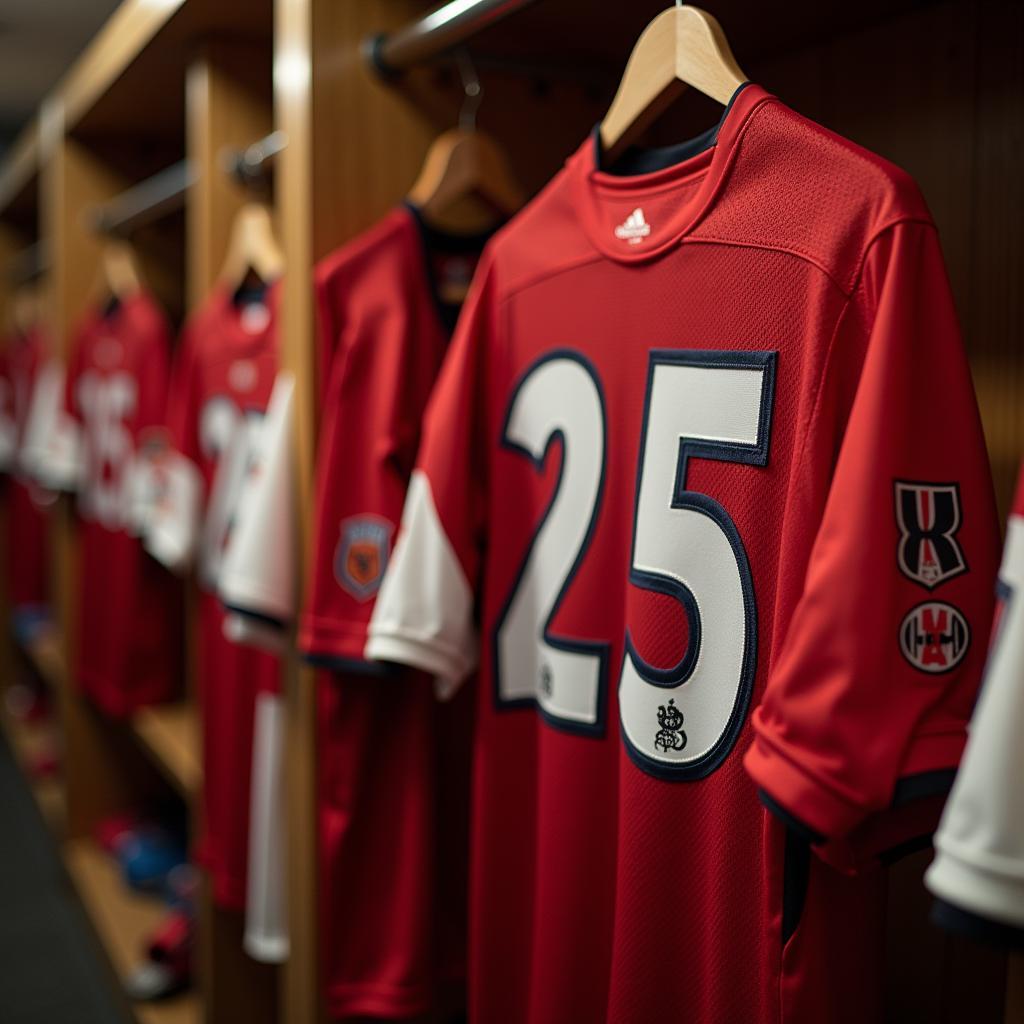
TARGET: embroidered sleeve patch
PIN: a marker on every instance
(934, 637)
(362, 555)
(928, 517)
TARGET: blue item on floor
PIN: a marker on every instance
(147, 855)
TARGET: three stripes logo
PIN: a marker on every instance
(634, 229)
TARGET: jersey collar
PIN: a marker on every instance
(638, 215)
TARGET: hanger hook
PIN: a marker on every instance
(471, 87)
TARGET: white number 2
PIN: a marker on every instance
(559, 397)
(678, 722)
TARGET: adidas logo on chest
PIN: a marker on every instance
(634, 228)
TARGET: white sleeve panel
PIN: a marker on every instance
(266, 904)
(979, 865)
(172, 529)
(423, 615)
(257, 575)
(50, 450)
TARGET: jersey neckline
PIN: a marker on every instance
(611, 205)
(433, 239)
(240, 339)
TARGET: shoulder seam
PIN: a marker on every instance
(844, 288)
(855, 284)
(546, 275)
(873, 238)
(752, 244)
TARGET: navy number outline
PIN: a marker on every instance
(719, 451)
(593, 648)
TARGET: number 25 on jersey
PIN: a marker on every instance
(678, 722)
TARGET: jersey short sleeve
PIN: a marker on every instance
(978, 874)
(866, 699)
(257, 578)
(379, 384)
(50, 449)
(424, 614)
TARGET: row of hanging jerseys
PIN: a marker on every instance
(649, 611)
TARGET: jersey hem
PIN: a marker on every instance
(381, 1001)
(117, 704)
(228, 892)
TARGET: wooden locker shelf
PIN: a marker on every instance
(170, 735)
(123, 919)
(27, 741)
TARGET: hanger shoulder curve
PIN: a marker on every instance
(461, 162)
(252, 245)
(704, 58)
(682, 46)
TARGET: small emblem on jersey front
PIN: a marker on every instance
(670, 736)
(634, 229)
(362, 555)
(934, 637)
(928, 517)
(243, 375)
(547, 682)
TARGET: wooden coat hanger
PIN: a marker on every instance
(463, 163)
(119, 278)
(681, 46)
(252, 247)
(25, 312)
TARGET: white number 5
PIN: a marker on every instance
(681, 722)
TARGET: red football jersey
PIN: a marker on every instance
(702, 482)
(128, 608)
(222, 383)
(27, 519)
(393, 761)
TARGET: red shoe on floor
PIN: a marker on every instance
(167, 968)
(110, 831)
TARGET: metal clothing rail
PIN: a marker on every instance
(435, 33)
(251, 166)
(145, 202)
(32, 262)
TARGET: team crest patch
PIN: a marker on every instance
(934, 637)
(362, 555)
(928, 517)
